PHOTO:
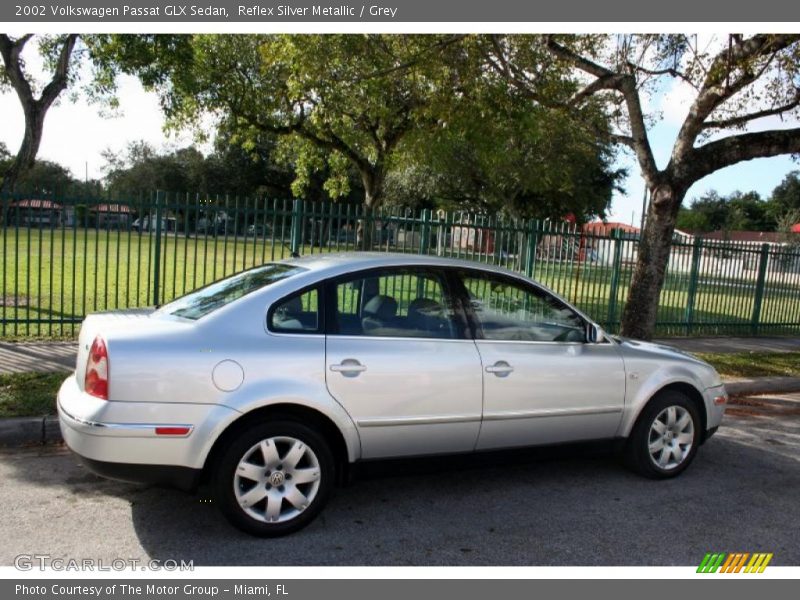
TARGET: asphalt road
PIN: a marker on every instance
(554, 508)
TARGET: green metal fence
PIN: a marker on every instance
(64, 258)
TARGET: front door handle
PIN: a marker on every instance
(349, 367)
(501, 368)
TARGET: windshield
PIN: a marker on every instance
(206, 300)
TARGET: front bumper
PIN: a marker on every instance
(124, 440)
(715, 399)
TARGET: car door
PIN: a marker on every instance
(543, 383)
(400, 362)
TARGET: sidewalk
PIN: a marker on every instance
(40, 357)
(48, 357)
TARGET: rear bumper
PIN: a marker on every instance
(182, 478)
(122, 439)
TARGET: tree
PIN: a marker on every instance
(530, 162)
(346, 101)
(786, 196)
(744, 80)
(229, 170)
(13, 74)
(751, 212)
(737, 212)
(46, 178)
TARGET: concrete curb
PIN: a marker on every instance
(29, 431)
(763, 385)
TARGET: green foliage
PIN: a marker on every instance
(402, 118)
(786, 196)
(46, 178)
(230, 170)
(529, 161)
(735, 212)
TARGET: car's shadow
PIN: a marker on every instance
(564, 506)
(571, 505)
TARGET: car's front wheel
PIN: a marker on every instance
(666, 436)
(274, 478)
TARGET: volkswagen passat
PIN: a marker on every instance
(274, 380)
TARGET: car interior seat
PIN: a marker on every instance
(379, 315)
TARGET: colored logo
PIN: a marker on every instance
(737, 562)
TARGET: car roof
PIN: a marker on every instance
(342, 262)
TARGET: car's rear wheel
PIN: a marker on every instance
(666, 436)
(274, 478)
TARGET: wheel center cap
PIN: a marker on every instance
(277, 478)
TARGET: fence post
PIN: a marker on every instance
(760, 284)
(157, 250)
(694, 274)
(533, 242)
(297, 227)
(615, 275)
(425, 231)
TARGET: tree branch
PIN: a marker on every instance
(513, 74)
(747, 146)
(741, 120)
(10, 51)
(581, 62)
(612, 81)
(61, 75)
(668, 71)
(717, 88)
(625, 140)
(623, 83)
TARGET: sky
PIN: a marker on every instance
(75, 135)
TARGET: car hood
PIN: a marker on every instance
(656, 348)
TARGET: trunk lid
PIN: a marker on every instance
(114, 325)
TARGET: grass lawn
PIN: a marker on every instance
(29, 394)
(51, 278)
(755, 364)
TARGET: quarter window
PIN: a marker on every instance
(296, 314)
(398, 303)
(507, 310)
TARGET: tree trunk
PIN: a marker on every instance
(639, 316)
(373, 180)
(34, 124)
(34, 109)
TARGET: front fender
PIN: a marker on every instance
(640, 392)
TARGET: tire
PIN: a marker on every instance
(665, 438)
(256, 479)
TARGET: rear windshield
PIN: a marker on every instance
(208, 299)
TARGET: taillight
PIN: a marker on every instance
(96, 381)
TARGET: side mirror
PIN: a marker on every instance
(594, 333)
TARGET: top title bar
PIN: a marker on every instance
(408, 11)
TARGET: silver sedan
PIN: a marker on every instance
(272, 382)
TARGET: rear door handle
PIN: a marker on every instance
(501, 368)
(349, 367)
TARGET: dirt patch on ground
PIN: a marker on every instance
(761, 407)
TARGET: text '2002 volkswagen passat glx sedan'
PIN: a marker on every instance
(273, 381)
